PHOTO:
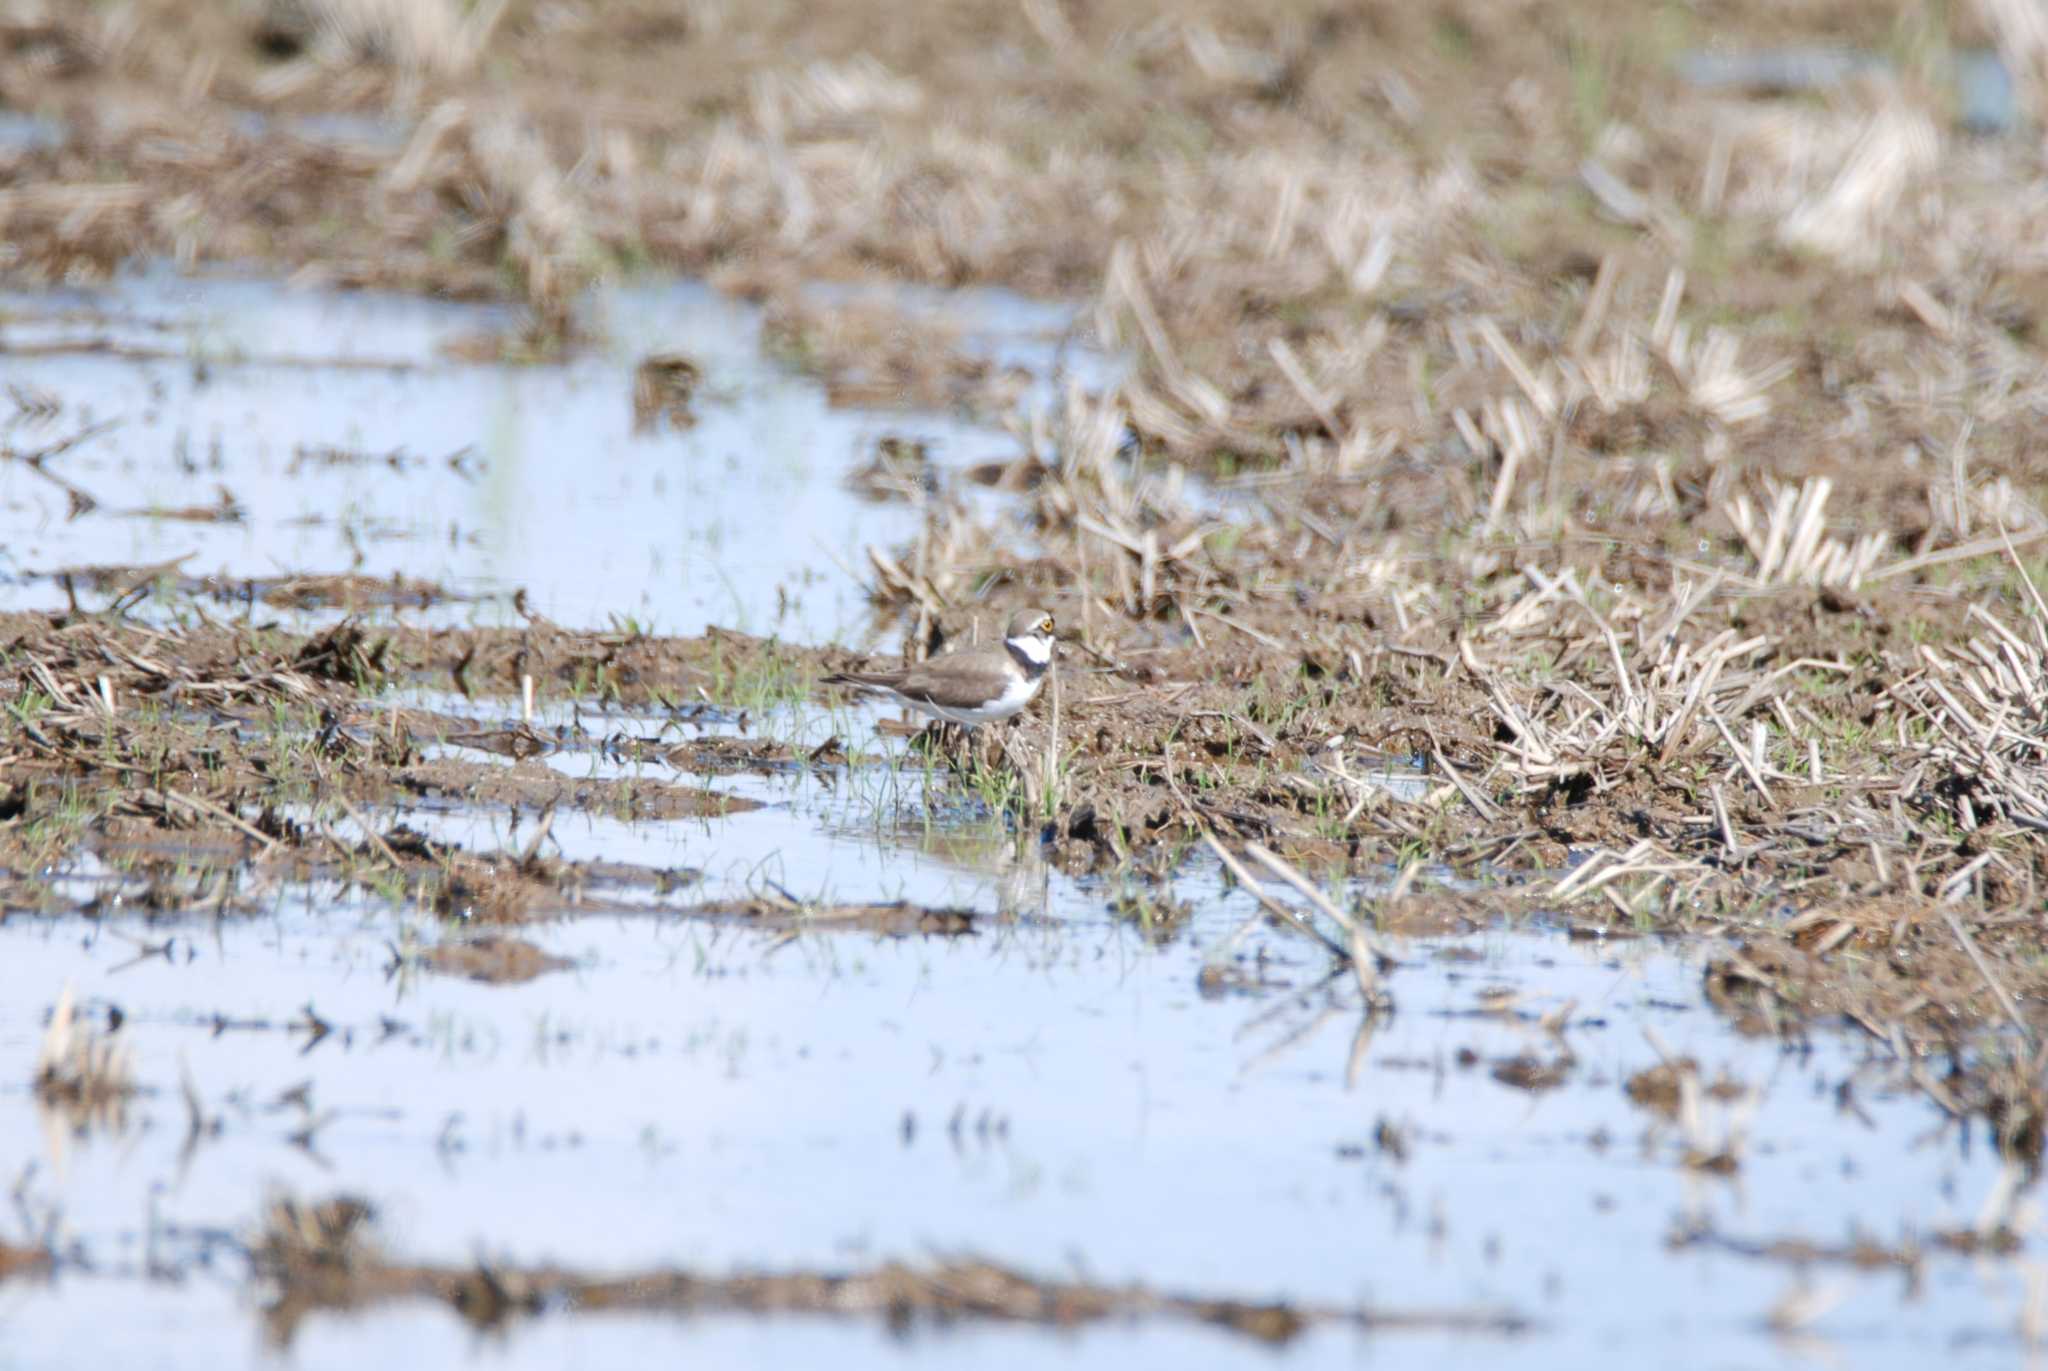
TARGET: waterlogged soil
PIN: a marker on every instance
(1532, 851)
(148, 449)
(407, 921)
(658, 1102)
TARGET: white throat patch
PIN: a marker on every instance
(1033, 648)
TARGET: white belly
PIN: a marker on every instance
(1003, 706)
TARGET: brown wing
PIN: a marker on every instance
(877, 680)
(969, 679)
(962, 680)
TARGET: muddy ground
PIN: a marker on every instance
(1644, 464)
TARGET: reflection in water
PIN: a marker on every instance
(1059, 1090)
(1053, 1092)
(348, 438)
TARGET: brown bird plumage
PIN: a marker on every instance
(975, 685)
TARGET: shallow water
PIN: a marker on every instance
(720, 1099)
(1985, 98)
(353, 441)
(1054, 1092)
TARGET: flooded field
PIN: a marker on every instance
(1529, 851)
(1052, 1078)
(1051, 1092)
(396, 459)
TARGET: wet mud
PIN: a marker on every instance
(1532, 848)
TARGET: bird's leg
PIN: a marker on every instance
(955, 742)
(1022, 772)
(941, 738)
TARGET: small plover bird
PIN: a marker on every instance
(976, 685)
